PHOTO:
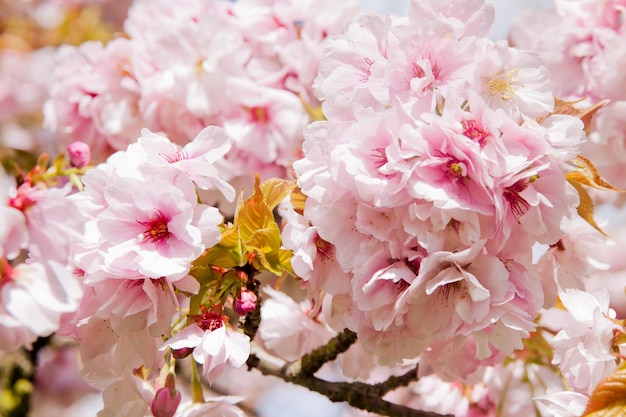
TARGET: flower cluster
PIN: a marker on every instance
(38, 225)
(583, 43)
(144, 226)
(174, 75)
(442, 163)
(437, 223)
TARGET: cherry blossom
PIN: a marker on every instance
(583, 349)
(213, 345)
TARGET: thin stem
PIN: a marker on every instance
(197, 396)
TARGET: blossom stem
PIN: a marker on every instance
(197, 395)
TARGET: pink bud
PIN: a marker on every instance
(245, 303)
(80, 154)
(182, 352)
(166, 399)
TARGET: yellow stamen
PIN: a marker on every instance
(503, 84)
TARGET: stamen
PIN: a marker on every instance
(208, 319)
(502, 85)
(473, 130)
(380, 157)
(518, 204)
(325, 249)
(156, 228)
(444, 292)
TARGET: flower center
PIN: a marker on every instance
(208, 320)
(180, 155)
(518, 204)
(473, 130)
(380, 157)
(502, 85)
(325, 249)
(259, 114)
(444, 292)
(156, 228)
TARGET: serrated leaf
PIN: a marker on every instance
(585, 114)
(608, 399)
(275, 190)
(585, 207)
(265, 244)
(587, 174)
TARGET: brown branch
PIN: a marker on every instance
(393, 382)
(358, 394)
(312, 362)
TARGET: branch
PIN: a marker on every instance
(312, 362)
(358, 394)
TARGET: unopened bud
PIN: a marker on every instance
(245, 303)
(182, 352)
(80, 154)
(166, 399)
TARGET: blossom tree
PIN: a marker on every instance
(394, 212)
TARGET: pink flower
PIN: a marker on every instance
(54, 221)
(516, 82)
(351, 72)
(13, 232)
(583, 349)
(265, 122)
(33, 296)
(214, 346)
(573, 260)
(288, 328)
(563, 403)
(469, 18)
(120, 323)
(79, 153)
(154, 235)
(95, 97)
(199, 159)
(245, 302)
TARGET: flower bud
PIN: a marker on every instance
(80, 154)
(166, 399)
(245, 302)
(182, 352)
